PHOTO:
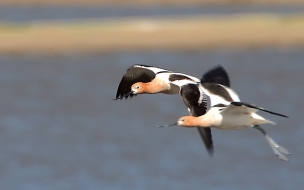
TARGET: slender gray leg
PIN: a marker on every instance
(277, 149)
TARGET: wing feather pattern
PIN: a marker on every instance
(136, 73)
(191, 97)
(243, 104)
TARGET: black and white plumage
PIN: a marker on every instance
(227, 112)
(197, 106)
(235, 116)
(134, 74)
(144, 79)
(216, 86)
(247, 106)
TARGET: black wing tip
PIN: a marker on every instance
(121, 97)
(118, 98)
(278, 114)
(210, 151)
(216, 75)
(206, 136)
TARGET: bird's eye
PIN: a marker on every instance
(137, 87)
(183, 119)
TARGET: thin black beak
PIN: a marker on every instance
(158, 126)
(124, 96)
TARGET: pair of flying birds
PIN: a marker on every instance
(226, 111)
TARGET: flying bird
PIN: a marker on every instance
(144, 79)
(234, 116)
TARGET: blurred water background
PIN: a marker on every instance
(60, 128)
(34, 13)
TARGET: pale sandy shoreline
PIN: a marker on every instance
(140, 34)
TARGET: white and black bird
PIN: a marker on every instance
(144, 79)
(227, 112)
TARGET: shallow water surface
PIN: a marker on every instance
(60, 128)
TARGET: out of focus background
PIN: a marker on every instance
(61, 63)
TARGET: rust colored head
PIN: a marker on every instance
(187, 121)
(138, 88)
(191, 121)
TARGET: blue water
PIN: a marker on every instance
(60, 128)
(33, 13)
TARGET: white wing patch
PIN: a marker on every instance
(232, 94)
(191, 77)
(217, 99)
(183, 82)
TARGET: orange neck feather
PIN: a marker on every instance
(155, 86)
(201, 121)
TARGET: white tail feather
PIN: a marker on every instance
(257, 120)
